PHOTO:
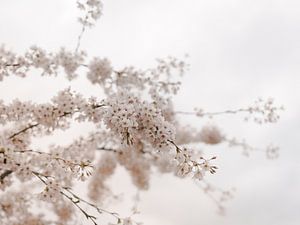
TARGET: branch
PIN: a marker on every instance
(5, 174)
(23, 130)
(76, 200)
(200, 113)
(30, 126)
(81, 34)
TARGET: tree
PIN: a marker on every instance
(136, 127)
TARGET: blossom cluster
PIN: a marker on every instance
(92, 10)
(135, 120)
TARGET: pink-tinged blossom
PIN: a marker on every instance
(211, 135)
(99, 70)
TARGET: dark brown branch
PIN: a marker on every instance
(5, 174)
(13, 65)
(108, 150)
(24, 130)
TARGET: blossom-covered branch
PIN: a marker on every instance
(262, 111)
(136, 126)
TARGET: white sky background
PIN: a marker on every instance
(239, 50)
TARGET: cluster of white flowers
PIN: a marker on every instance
(272, 151)
(92, 10)
(187, 165)
(130, 77)
(99, 70)
(38, 58)
(211, 134)
(166, 66)
(51, 192)
(264, 111)
(136, 120)
(70, 62)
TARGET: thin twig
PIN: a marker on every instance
(212, 113)
(81, 34)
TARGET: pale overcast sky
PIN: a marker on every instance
(239, 50)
